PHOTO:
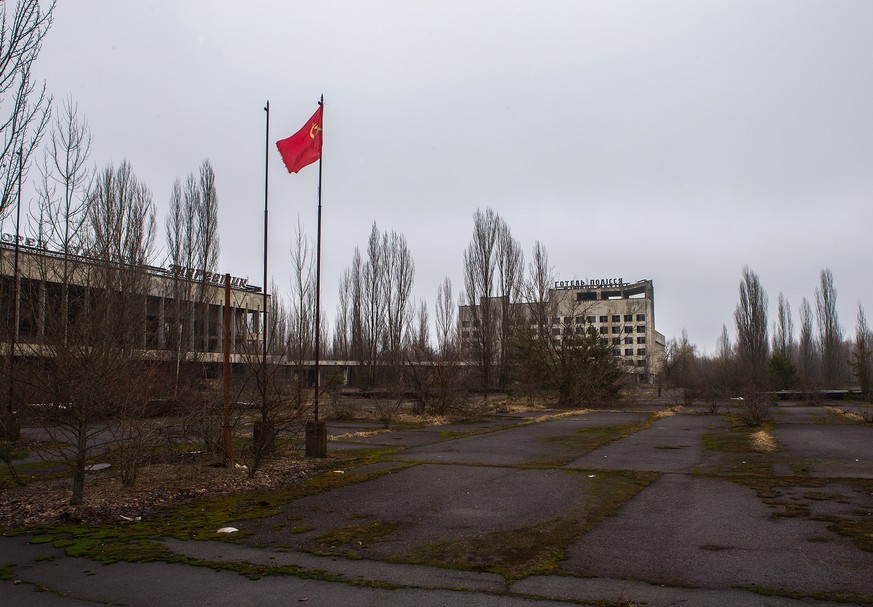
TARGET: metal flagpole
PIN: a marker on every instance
(266, 197)
(316, 431)
(318, 277)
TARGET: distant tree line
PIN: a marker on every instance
(815, 358)
(512, 349)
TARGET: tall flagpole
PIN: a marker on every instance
(266, 197)
(318, 277)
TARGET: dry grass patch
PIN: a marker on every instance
(556, 416)
(763, 441)
(849, 416)
(517, 404)
(662, 413)
(360, 434)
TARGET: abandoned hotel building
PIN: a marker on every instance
(622, 314)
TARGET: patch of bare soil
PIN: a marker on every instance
(43, 503)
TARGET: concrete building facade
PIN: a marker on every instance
(622, 314)
(166, 302)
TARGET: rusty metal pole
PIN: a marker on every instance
(226, 437)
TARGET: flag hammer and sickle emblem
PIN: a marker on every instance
(314, 131)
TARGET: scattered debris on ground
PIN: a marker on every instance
(47, 502)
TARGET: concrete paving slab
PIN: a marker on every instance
(527, 443)
(82, 583)
(345, 446)
(671, 444)
(429, 503)
(429, 435)
(842, 500)
(713, 533)
(828, 450)
(354, 570)
(651, 595)
(800, 414)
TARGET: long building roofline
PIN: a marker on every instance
(150, 270)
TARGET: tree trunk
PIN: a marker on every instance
(79, 466)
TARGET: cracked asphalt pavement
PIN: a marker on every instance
(638, 511)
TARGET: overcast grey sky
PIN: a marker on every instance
(675, 141)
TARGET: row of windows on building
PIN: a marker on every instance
(616, 330)
(640, 363)
(163, 324)
(617, 351)
(614, 318)
(628, 352)
(603, 318)
(627, 341)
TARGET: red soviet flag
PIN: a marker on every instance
(303, 147)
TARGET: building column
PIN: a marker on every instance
(145, 322)
(162, 302)
(41, 313)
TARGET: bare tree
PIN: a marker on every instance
(446, 327)
(425, 369)
(377, 312)
(63, 202)
(807, 350)
(301, 337)
(182, 247)
(341, 346)
(356, 303)
(724, 349)
(61, 223)
(862, 355)
(436, 377)
(723, 380)
(207, 221)
(480, 263)
(534, 341)
(510, 276)
(830, 334)
(680, 359)
(24, 107)
(783, 330)
(275, 396)
(193, 247)
(782, 370)
(122, 219)
(64, 181)
(279, 335)
(373, 279)
(725, 362)
(751, 320)
(302, 317)
(421, 338)
(399, 274)
(560, 354)
(88, 368)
